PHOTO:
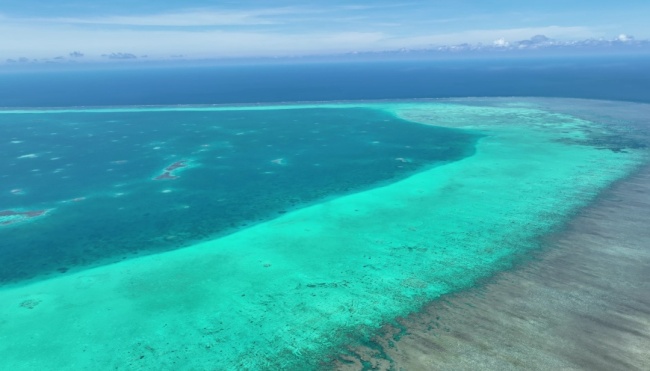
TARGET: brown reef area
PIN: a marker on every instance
(583, 303)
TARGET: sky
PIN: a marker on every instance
(197, 29)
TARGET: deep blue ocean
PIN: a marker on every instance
(96, 173)
(624, 78)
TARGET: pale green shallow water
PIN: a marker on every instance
(286, 293)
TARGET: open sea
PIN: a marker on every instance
(623, 78)
(289, 215)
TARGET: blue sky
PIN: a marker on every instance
(45, 29)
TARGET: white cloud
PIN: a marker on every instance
(187, 18)
(487, 36)
(625, 38)
(501, 43)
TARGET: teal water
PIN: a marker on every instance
(95, 175)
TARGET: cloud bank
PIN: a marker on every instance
(273, 32)
(541, 43)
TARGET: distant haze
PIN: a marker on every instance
(75, 30)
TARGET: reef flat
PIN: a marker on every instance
(582, 304)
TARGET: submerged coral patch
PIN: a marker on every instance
(8, 217)
(169, 171)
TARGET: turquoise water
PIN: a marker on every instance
(97, 174)
(294, 290)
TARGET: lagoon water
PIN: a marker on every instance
(279, 236)
(97, 174)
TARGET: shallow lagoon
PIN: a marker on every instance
(291, 291)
